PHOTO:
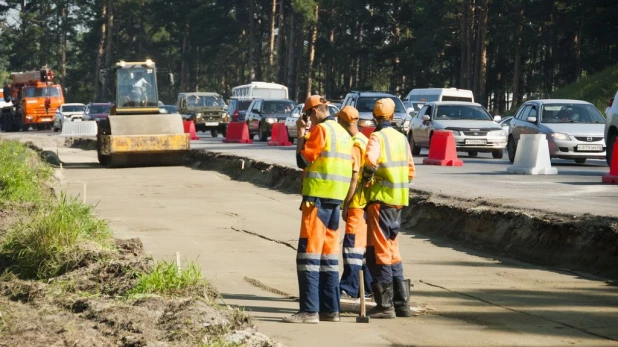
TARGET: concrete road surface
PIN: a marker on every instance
(243, 238)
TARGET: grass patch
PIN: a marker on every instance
(596, 89)
(23, 177)
(165, 279)
(57, 237)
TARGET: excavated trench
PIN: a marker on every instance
(585, 244)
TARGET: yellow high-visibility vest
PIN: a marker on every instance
(391, 181)
(360, 200)
(330, 174)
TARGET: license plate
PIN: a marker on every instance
(589, 147)
(45, 119)
(77, 120)
(212, 124)
(476, 142)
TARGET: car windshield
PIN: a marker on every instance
(272, 107)
(99, 109)
(73, 108)
(461, 112)
(205, 101)
(32, 92)
(571, 113)
(365, 104)
(244, 105)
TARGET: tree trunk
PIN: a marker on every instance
(271, 52)
(109, 47)
(300, 39)
(329, 87)
(314, 37)
(100, 52)
(291, 56)
(482, 53)
(63, 45)
(184, 64)
(280, 44)
(517, 67)
(252, 38)
(395, 77)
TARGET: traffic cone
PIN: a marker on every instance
(189, 128)
(237, 132)
(367, 130)
(532, 156)
(442, 150)
(279, 136)
(612, 177)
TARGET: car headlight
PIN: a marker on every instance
(497, 133)
(560, 136)
(406, 123)
(455, 132)
(271, 120)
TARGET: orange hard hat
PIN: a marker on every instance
(348, 114)
(384, 108)
(313, 101)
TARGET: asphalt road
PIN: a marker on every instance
(576, 189)
(241, 234)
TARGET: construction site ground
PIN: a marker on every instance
(244, 236)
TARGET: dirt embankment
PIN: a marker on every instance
(92, 301)
(588, 243)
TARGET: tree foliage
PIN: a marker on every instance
(504, 50)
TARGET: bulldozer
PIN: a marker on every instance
(135, 133)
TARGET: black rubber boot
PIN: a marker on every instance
(383, 296)
(401, 298)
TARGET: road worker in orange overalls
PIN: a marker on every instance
(326, 157)
(353, 213)
(388, 170)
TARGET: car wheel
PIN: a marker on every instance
(262, 134)
(214, 133)
(611, 140)
(413, 147)
(497, 154)
(580, 160)
(473, 154)
(511, 148)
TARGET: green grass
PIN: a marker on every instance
(23, 177)
(165, 279)
(596, 89)
(57, 237)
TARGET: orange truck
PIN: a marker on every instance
(34, 98)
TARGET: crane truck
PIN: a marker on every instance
(135, 133)
(32, 100)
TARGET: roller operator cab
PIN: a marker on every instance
(135, 133)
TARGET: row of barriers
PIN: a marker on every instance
(531, 158)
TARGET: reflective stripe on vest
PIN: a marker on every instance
(391, 184)
(360, 200)
(329, 175)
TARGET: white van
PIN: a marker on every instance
(418, 97)
(262, 90)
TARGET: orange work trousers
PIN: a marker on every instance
(383, 257)
(354, 247)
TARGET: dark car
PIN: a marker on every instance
(97, 111)
(237, 109)
(263, 113)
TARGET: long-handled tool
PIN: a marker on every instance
(362, 318)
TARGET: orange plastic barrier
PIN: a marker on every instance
(279, 136)
(367, 130)
(612, 177)
(442, 150)
(237, 132)
(189, 127)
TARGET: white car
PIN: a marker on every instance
(290, 121)
(72, 112)
(611, 127)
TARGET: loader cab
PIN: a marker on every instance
(136, 88)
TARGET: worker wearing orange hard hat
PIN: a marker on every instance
(326, 159)
(353, 213)
(387, 172)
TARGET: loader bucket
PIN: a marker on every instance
(79, 129)
(143, 140)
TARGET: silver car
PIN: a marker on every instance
(71, 112)
(474, 129)
(574, 128)
(290, 121)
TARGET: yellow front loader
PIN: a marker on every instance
(135, 133)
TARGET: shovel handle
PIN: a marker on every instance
(362, 292)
